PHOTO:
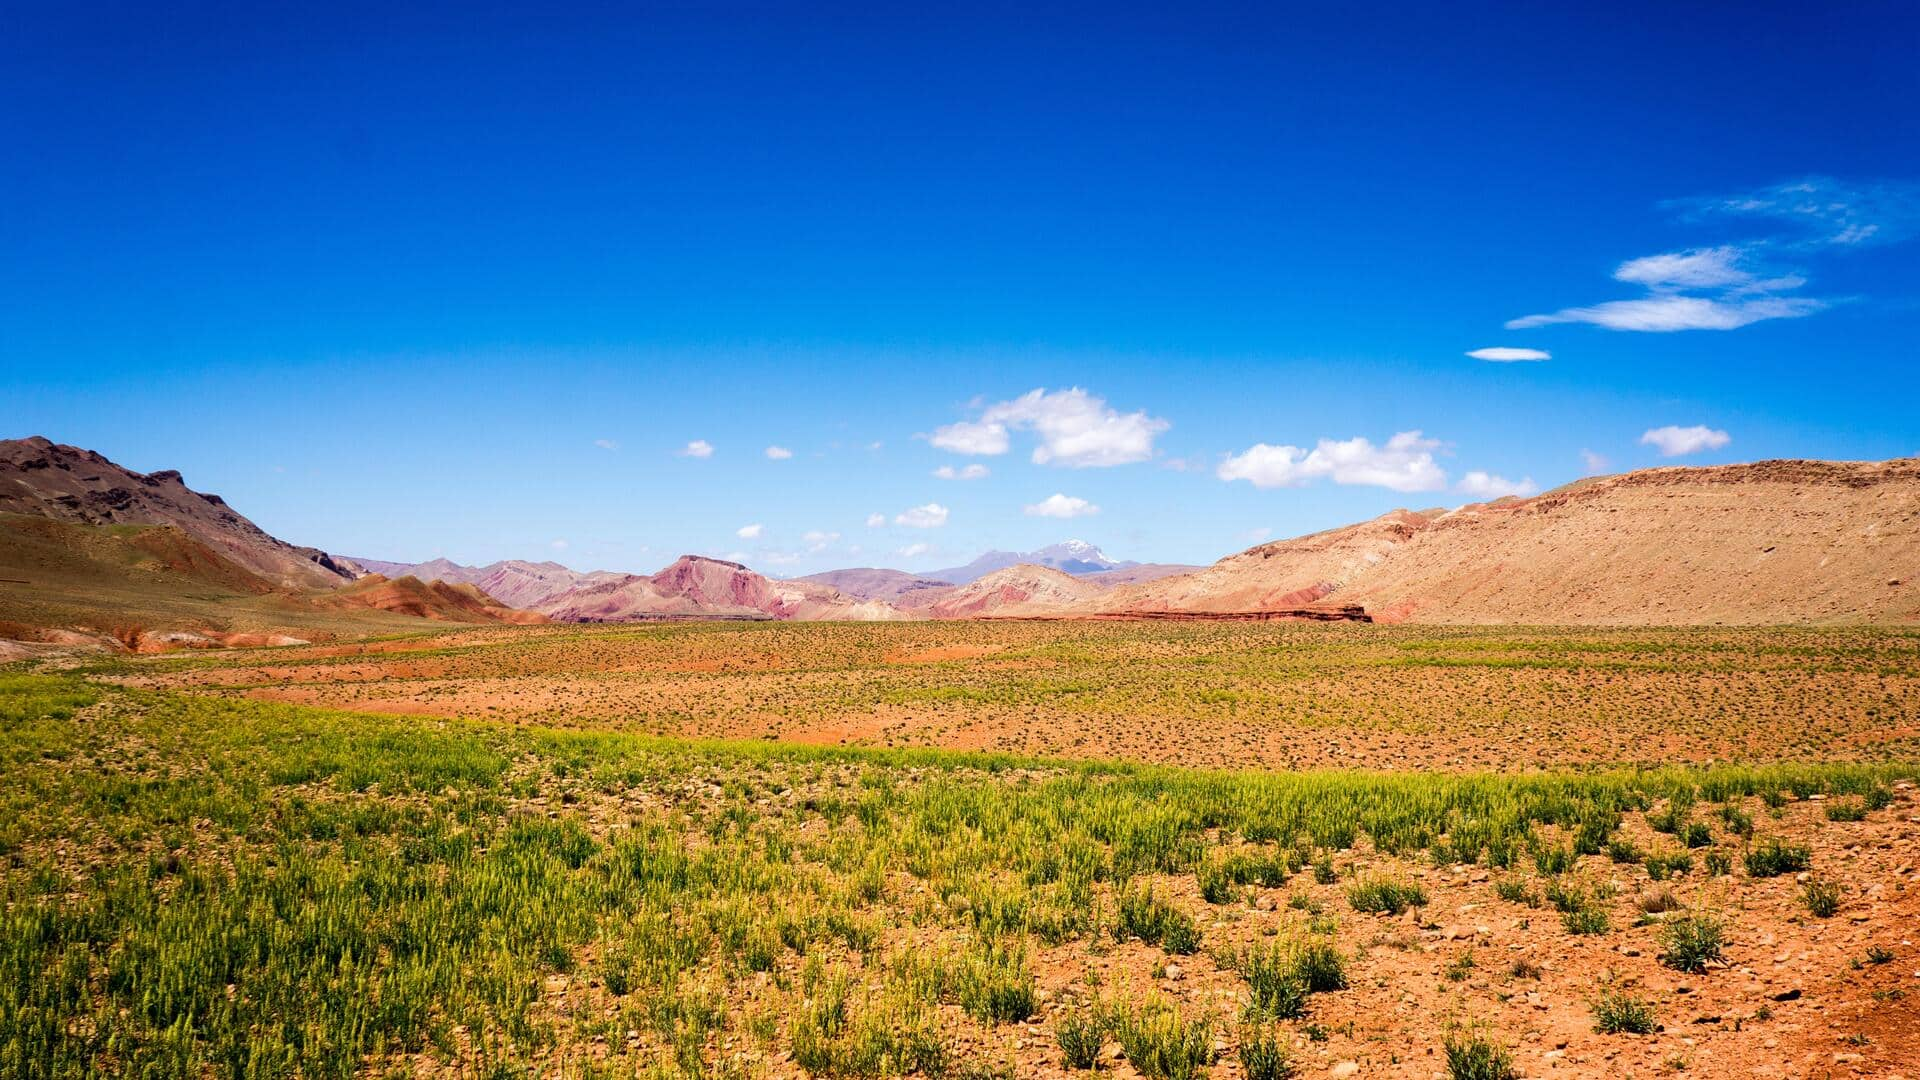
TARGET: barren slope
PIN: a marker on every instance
(698, 587)
(65, 483)
(1768, 542)
(1025, 589)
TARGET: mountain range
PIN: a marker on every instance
(88, 546)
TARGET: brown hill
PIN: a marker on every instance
(897, 587)
(1025, 589)
(514, 582)
(441, 601)
(1768, 542)
(65, 483)
(698, 587)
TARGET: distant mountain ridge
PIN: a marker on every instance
(1068, 556)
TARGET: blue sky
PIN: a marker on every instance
(471, 282)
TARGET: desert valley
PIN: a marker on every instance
(1205, 541)
(1617, 779)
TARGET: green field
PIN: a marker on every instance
(217, 887)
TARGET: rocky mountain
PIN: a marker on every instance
(45, 479)
(1068, 556)
(1767, 542)
(896, 587)
(698, 587)
(442, 601)
(1025, 589)
(514, 582)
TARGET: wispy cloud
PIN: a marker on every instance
(914, 551)
(1501, 354)
(558, 545)
(1732, 285)
(1485, 485)
(1821, 210)
(698, 448)
(778, 453)
(875, 521)
(1405, 463)
(750, 532)
(965, 472)
(606, 444)
(1676, 441)
(1076, 430)
(818, 541)
(1594, 464)
(930, 516)
(1061, 506)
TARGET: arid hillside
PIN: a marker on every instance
(45, 479)
(1025, 589)
(698, 587)
(1769, 542)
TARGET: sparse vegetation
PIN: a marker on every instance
(1476, 1057)
(1693, 941)
(1618, 1013)
(1385, 895)
(1775, 857)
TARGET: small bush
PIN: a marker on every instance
(1147, 917)
(1323, 872)
(1080, 1035)
(1320, 965)
(1514, 890)
(1693, 941)
(1879, 954)
(1164, 1045)
(1737, 821)
(1846, 811)
(1719, 864)
(1385, 894)
(1554, 860)
(1275, 985)
(1821, 897)
(995, 985)
(1696, 834)
(1624, 851)
(1776, 857)
(1265, 1055)
(1591, 920)
(1616, 1013)
(1878, 798)
(1474, 1057)
(1671, 864)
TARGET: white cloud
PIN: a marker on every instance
(965, 472)
(698, 448)
(1501, 354)
(1593, 463)
(1405, 463)
(818, 541)
(1700, 268)
(1669, 312)
(930, 516)
(971, 437)
(1061, 506)
(606, 444)
(778, 453)
(914, 551)
(1676, 441)
(780, 558)
(1254, 536)
(1823, 210)
(750, 532)
(1484, 485)
(1076, 430)
(874, 521)
(558, 545)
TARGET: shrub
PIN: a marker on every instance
(1080, 1034)
(1737, 821)
(1696, 834)
(1657, 901)
(1624, 851)
(1147, 917)
(1693, 941)
(1162, 1044)
(1474, 1057)
(1585, 921)
(1821, 897)
(995, 985)
(1616, 1013)
(1719, 864)
(1553, 860)
(1323, 872)
(1277, 990)
(1320, 966)
(1385, 895)
(1265, 1055)
(1878, 797)
(1514, 890)
(1671, 864)
(1846, 811)
(1776, 857)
